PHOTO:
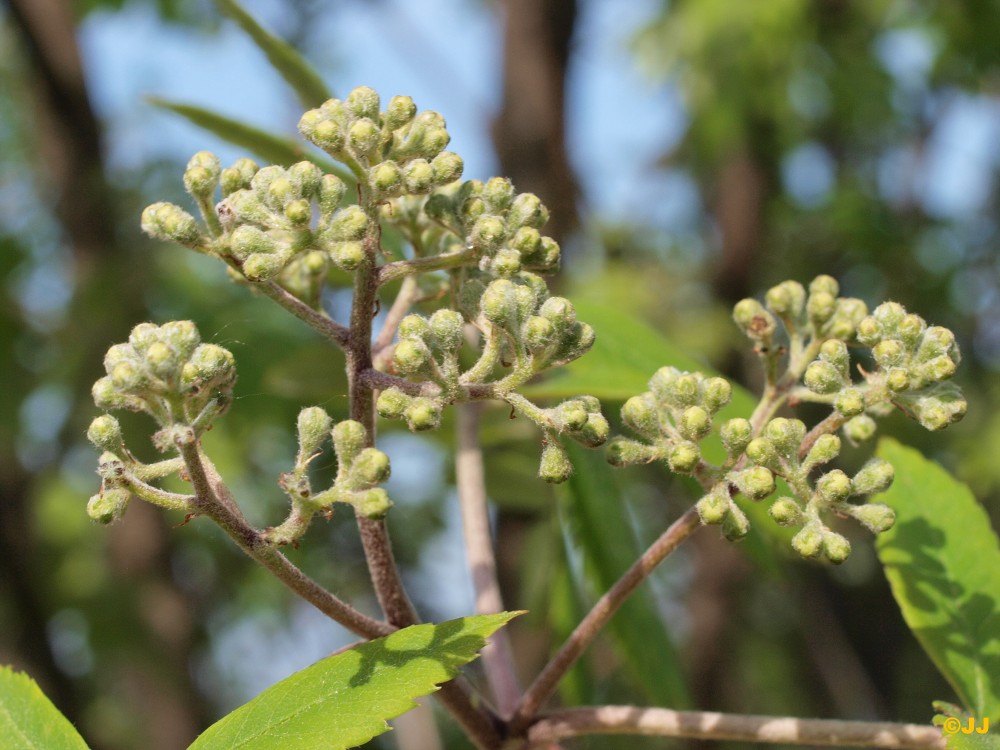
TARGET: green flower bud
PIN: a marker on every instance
(307, 176)
(713, 508)
(498, 192)
(824, 450)
(755, 483)
(860, 429)
(447, 326)
(386, 178)
(824, 284)
(418, 177)
(735, 525)
(472, 209)
(575, 343)
(869, 331)
(247, 240)
(108, 506)
(547, 257)
(347, 255)
(850, 402)
(594, 432)
(938, 411)
(591, 403)
(415, 326)
(757, 323)
(555, 466)
(400, 111)
(834, 486)
(835, 352)
(889, 315)
(349, 223)
(787, 299)
(889, 352)
(821, 307)
(331, 192)
(910, 329)
(411, 356)
(106, 434)
(685, 390)
(527, 210)
(447, 167)
(897, 379)
(127, 376)
(836, 547)
(846, 317)
(422, 414)
(537, 332)
(363, 102)
(298, 212)
(349, 439)
(140, 339)
(263, 266)
(238, 176)
(363, 137)
(279, 192)
(373, 503)
(182, 335)
(165, 221)
(560, 312)
(762, 452)
(808, 542)
(874, 477)
(640, 413)
(162, 360)
(570, 415)
(313, 427)
(786, 512)
(391, 403)
(506, 262)
(487, 233)
(716, 393)
(625, 452)
(683, 457)
(823, 377)
(937, 342)
(876, 517)
(934, 370)
(210, 365)
(786, 435)
(202, 174)
(736, 434)
(107, 396)
(371, 466)
(695, 423)
(498, 303)
(326, 133)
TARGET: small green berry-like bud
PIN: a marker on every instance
(391, 403)
(874, 477)
(938, 342)
(349, 223)
(348, 441)
(808, 542)
(202, 174)
(640, 413)
(537, 332)
(387, 178)
(625, 452)
(716, 393)
(371, 466)
(570, 415)
(937, 412)
(238, 176)
(326, 133)
(527, 210)
(560, 311)
(363, 137)
(447, 167)
(373, 503)
(165, 221)
(756, 482)
(411, 356)
(418, 176)
(756, 322)
(526, 240)
(422, 414)
(713, 508)
(823, 377)
(825, 449)
(414, 326)
(313, 428)
(787, 299)
(594, 432)
(307, 176)
(835, 352)
(785, 511)
(498, 192)
(762, 452)
(935, 370)
(210, 364)
(106, 434)
(850, 402)
(834, 486)
(869, 331)
(876, 517)
(248, 240)
(821, 307)
(889, 352)
(331, 192)
(162, 360)
(889, 315)
(836, 547)
(736, 434)
(126, 376)
(555, 466)
(735, 525)
(400, 111)
(911, 327)
(897, 379)
(487, 233)
(684, 391)
(263, 266)
(786, 435)
(363, 102)
(683, 457)
(347, 255)
(506, 262)
(824, 284)
(498, 302)
(695, 423)
(849, 312)
(860, 429)
(109, 506)
(298, 212)
(446, 326)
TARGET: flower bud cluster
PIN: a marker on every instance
(168, 373)
(672, 418)
(359, 470)
(578, 418)
(500, 225)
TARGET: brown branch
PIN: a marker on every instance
(663, 722)
(329, 329)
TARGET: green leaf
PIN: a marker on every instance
(28, 720)
(299, 74)
(273, 149)
(345, 700)
(942, 560)
(599, 522)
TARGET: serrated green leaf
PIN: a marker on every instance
(28, 720)
(942, 560)
(273, 149)
(598, 520)
(345, 700)
(299, 74)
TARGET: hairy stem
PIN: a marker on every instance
(595, 620)
(214, 500)
(498, 658)
(663, 722)
(398, 269)
(329, 329)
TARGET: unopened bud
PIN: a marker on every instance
(400, 111)
(874, 477)
(446, 326)
(756, 482)
(736, 434)
(860, 429)
(834, 486)
(386, 178)
(823, 377)
(836, 547)
(594, 432)
(349, 223)
(422, 414)
(850, 402)
(410, 356)
(640, 413)
(527, 210)
(263, 266)
(787, 299)
(695, 423)
(825, 449)
(391, 403)
(506, 262)
(683, 457)
(785, 511)
(716, 393)
(538, 332)
(347, 256)
(447, 167)
(786, 435)
(238, 176)
(735, 525)
(487, 233)
(713, 508)
(248, 240)
(165, 221)
(202, 175)
(889, 352)
(756, 322)
(348, 441)
(373, 503)
(108, 506)
(555, 466)
(363, 137)
(808, 542)
(876, 517)
(313, 427)
(370, 467)
(625, 452)
(762, 452)
(106, 434)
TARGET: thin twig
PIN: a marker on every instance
(663, 722)
(399, 268)
(319, 322)
(215, 501)
(498, 659)
(830, 424)
(598, 617)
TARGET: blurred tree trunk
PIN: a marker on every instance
(71, 177)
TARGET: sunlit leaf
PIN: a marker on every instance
(28, 720)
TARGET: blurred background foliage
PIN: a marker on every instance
(750, 142)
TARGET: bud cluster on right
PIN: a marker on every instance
(818, 347)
